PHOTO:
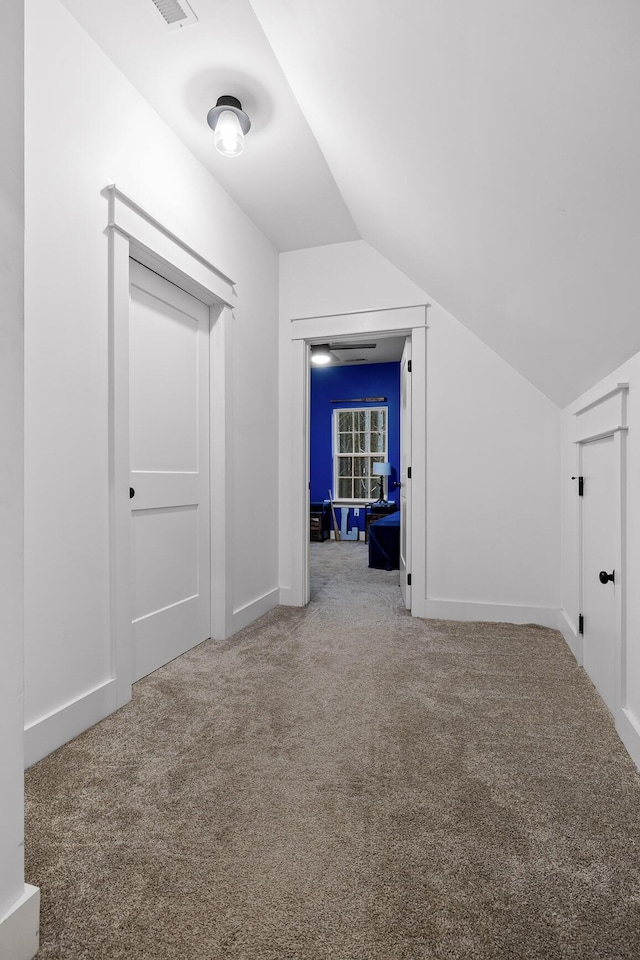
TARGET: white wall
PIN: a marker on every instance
(101, 131)
(11, 438)
(628, 372)
(493, 446)
(19, 903)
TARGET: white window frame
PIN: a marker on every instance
(380, 456)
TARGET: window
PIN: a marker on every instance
(359, 440)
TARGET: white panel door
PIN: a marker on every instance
(169, 464)
(598, 557)
(405, 464)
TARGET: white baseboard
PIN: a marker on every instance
(570, 633)
(628, 727)
(257, 608)
(20, 927)
(46, 734)
(490, 612)
(289, 598)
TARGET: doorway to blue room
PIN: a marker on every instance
(354, 455)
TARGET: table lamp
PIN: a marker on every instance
(381, 470)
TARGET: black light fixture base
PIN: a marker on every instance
(228, 101)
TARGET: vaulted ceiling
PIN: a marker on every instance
(489, 149)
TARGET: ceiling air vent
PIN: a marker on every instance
(175, 14)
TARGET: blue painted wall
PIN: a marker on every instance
(341, 383)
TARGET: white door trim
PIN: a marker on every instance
(133, 232)
(601, 435)
(410, 321)
(404, 496)
(158, 244)
(620, 388)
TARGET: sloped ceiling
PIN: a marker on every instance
(281, 180)
(490, 149)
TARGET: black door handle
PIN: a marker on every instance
(605, 577)
(132, 493)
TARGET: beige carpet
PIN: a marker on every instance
(345, 782)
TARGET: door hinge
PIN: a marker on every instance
(408, 579)
(580, 485)
(408, 366)
(408, 473)
(580, 623)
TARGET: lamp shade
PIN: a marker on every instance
(382, 469)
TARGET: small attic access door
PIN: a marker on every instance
(600, 487)
(599, 561)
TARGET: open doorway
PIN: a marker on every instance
(354, 457)
(301, 333)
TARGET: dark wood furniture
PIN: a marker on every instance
(320, 520)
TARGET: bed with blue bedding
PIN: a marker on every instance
(384, 543)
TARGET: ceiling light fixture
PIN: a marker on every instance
(230, 124)
(321, 353)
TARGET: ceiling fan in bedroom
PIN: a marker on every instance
(324, 352)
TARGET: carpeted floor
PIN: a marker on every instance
(345, 782)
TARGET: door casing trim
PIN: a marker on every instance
(135, 233)
(411, 321)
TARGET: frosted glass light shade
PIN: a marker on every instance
(382, 469)
(230, 125)
(228, 136)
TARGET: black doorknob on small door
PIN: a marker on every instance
(605, 577)
(132, 493)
